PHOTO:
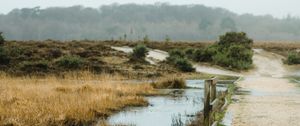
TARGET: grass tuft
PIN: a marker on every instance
(170, 83)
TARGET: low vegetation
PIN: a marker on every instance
(279, 47)
(76, 99)
(179, 60)
(55, 57)
(2, 40)
(170, 83)
(139, 53)
(4, 59)
(233, 50)
(293, 58)
(70, 62)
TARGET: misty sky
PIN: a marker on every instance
(277, 8)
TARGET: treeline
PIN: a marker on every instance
(134, 22)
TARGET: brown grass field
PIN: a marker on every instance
(74, 100)
(282, 48)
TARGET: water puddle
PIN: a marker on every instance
(181, 107)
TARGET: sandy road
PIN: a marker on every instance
(272, 100)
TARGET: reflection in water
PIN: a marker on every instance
(180, 107)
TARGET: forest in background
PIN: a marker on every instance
(159, 21)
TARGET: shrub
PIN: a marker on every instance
(237, 57)
(221, 59)
(170, 83)
(234, 38)
(198, 55)
(174, 55)
(4, 58)
(139, 53)
(189, 53)
(2, 40)
(178, 59)
(205, 55)
(184, 65)
(239, 52)
(38, 66)
(233, 50)
(293, 58)
(15, 51)
(70, 62)
(55, 53)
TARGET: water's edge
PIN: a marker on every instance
(181, 107)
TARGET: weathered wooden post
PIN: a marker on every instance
(213, 100)
(213, 89)
(210, 95)
(207, 106)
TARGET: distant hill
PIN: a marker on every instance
(133, 22)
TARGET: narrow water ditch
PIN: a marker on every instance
(181, 106)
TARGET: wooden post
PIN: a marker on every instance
(207, 105)
(213, 96)
(210, 94)
(213, 91)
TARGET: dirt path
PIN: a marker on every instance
(268, 99)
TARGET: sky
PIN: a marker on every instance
(277, 8)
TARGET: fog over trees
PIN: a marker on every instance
(134, 22)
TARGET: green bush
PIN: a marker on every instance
(239, 52)
(198, 55)
(4, 58)
(70, 62)
(221, 59)
(189, 53)
(184, 65)
(15, 51)
(293, 58)
(174, 55)
(205, 55)
(30, 67)
(177, 58)
(234, 38)
(233, 50)
(170, 83)
(139, 53)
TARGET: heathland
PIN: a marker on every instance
(78, 82)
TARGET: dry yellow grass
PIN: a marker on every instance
(170, 83)
(75, 100)
(282, 48)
